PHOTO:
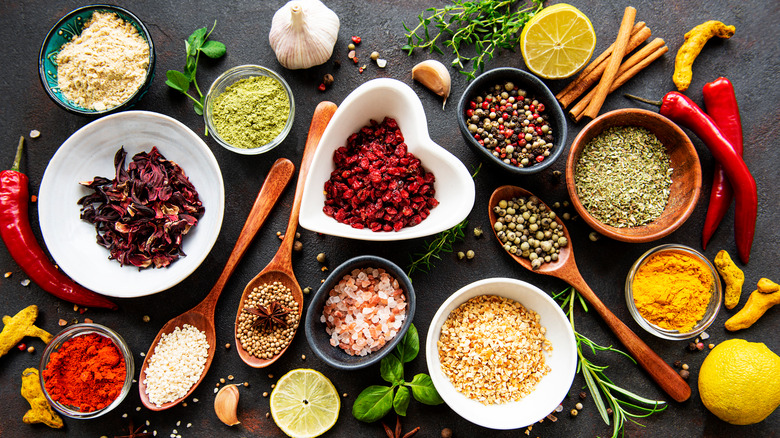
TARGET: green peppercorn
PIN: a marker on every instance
(470, 254)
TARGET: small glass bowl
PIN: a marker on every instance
(67, 28)
(712, 308)
(79, 330)
(229, 78)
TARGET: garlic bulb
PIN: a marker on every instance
(303, 33)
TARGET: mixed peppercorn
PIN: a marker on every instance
(511, 125)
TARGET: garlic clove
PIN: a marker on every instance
(226, 405)
(434, 76)
(303, 33)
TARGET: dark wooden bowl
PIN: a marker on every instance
(686, 177)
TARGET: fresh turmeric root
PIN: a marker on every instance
(695, 40)
(761, 300)
(732, 276)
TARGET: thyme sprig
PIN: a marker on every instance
(478, 26)
(442, 243)
(630, 405)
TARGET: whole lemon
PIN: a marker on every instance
(739, 381)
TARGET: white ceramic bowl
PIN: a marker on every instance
(89, 152)
(377, 99)
(549, 392)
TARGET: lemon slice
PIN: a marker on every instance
(304, 403)
(557, 42)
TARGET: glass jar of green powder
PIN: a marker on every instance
(249, 109)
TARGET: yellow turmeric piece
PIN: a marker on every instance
(672, 290)
(40, 409)
(695, 40)
(761, 300)
(732, 276)
(19, 326)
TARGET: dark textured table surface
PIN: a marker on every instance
(749, 59)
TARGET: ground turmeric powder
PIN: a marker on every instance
(672, 290)
(732, 276)
(761, 300)
(695, 39)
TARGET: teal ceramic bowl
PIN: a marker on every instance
(67, 28)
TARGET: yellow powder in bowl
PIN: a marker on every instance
(672, 290)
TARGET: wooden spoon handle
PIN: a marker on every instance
(280, 174)
(322, 114)
(660, 371)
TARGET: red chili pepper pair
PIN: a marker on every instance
(17, 234)
(684, 111)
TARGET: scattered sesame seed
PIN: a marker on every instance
(25, 282)
(685, 366)
(31, 349)
(381, 63)
(344, 395)
(230, 377)
(222, 380)
(135, 381)
(265, 394)
(138, 409)
(146, 318)
(189, 424)
(267, 415)
(711, 346)
(194, 400)
(273, 386)
(578, 406)
(143, 354)
(705, 336)
(147, 422)
(270, 376)
(303, 357)
(35, 133)
(178, 423)
(216, 390)
(124, 415)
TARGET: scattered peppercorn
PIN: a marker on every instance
(355, 59)
(374, 55)
(446, 433)
(685, 366)
(265, 394)
(246, 384)
(337, 63)
(578, 406)
(574, 412)
(609, 411)
(700, 346)
(31, 349)
(583, 395)
(321, 87)
(146, 318)
(62, 322)
(321, 257)
(477, 231)
(351, 46)
(684, 374)
(303, 357)
(461, 255)
(21, 347)
(356, 39)
(227, 346)
(327, 80)
(470, 254)
(594, 236)
(677, 364)
(711, 346)
(307, 290)
(692, 346)
(351, 54)
(360, 70)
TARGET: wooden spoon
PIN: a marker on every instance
(202, 315)
(566, 269)
(279, 269)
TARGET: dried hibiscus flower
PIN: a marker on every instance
(142, 214)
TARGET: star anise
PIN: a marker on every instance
(135, 433)
(397, 432)
(268, 317)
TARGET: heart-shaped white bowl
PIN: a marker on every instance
(377, 99)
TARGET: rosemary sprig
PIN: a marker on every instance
(478, 26)
(600, 386)
(442, 243)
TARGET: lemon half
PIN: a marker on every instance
(557, 42)
(304, 403)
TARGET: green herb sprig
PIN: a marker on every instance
(195, 44)
(442, 243)
(376, 401)
(600, 386)
(478, 26)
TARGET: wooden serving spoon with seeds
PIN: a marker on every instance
(566, 269)
(202, 315)
(279, 269)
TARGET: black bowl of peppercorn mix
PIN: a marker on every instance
(96, 60)
(512, 119)
(320, 340)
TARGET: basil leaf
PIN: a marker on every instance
(196, 40)
(213, 49)
(424, 391)
(401, 401)
(177, 80)
(409, 346)
(392, 369)
(373, 403)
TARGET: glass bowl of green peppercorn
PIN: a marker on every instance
(249, 109)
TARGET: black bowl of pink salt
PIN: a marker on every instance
(86, 371)
(360, 313)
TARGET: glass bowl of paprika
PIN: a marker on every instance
(249, 109)
(673, 292)
(86, 371)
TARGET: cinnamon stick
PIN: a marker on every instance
(636, 63)
(602, 89)
(592, 73)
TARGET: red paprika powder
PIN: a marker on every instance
(87, 373)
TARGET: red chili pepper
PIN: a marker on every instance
(721, 104)
(24, 248)
(684, 111)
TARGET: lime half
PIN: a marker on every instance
(305, 403)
